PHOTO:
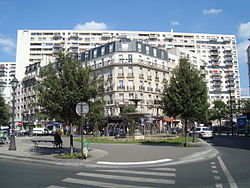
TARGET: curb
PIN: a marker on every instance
(195, 157)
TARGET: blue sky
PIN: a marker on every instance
(201, 16)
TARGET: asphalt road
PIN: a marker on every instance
(230, 169)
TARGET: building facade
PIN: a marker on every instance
(218, 50)
(134, 70)
(7, 73)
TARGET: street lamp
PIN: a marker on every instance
(14, 84)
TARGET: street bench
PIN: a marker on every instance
(36, 142)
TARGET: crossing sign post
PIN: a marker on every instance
(82, 108)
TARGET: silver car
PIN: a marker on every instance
(203, 132)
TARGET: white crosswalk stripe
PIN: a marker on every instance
(99, 183)
(127, 178)
(140, 172)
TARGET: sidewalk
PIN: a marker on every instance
(107, 155)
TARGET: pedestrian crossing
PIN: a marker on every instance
(121, 178)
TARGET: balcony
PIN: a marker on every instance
(106, 36)
(130, 87)
(152, 36)
(228, 54)
(141, 88)
(110, 76)
(217, 78)
(149, 77)
(216, 73)
(213, 48)
(121, 88)
(149, 89)
(169, 37)
(214, 58)
(217, 84)
(157, 90)
(141, 76)
(215, 63)
(228, 59)
(111, 102)
(109, 88)
(229, 64)
(130, 75)
(57, 35)
(120, 75)
(215, 53)
(217, 89)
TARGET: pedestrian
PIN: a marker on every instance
(58, 139)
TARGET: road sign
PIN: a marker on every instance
(82, 108)
(20, 123)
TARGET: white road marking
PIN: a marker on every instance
(212, 163)
(55, 186)
(133, 163)
(227, 173)
(140, 172)
(214, 167)
(164, 169)
(126, 178)
(218, 185)
(217, 177)
(215, 171)
(99, 183)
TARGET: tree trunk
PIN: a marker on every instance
(185, 134)
(219, 128)
(71, 140)
(193, 133)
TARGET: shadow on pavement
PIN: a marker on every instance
(43, 150)
(237, 142)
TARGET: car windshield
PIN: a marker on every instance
(206, 129)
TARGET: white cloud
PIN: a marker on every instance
(174, 23)
(7, 44)
(241, 49)
(244, 30)
(91, 26)
(212, 11)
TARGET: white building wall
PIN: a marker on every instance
(32, 45)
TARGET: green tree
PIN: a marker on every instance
(65, 83)
(245, 105)
(5, 114)
(96, 116)
(219, 111)
(186, 95)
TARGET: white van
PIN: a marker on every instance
(39, 131)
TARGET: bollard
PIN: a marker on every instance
(85, 148)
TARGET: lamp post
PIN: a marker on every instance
(12, 146)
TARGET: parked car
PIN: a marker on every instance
(202, 132)
(40, 131)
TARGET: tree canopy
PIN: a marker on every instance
(185, 96)
(4, 112)
(65, 83)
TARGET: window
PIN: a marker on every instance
(154, 52)
(130, 57)
(120, 71)
(147, 49)
(130, 71)
(121, 84)
(103, 50)
(121, 97)
(95, 53)
(139, 47)
(111, 47)
(130, 84)
(124, 47)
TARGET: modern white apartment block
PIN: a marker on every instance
(134, 70)
(7, 73)
(218, 50)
